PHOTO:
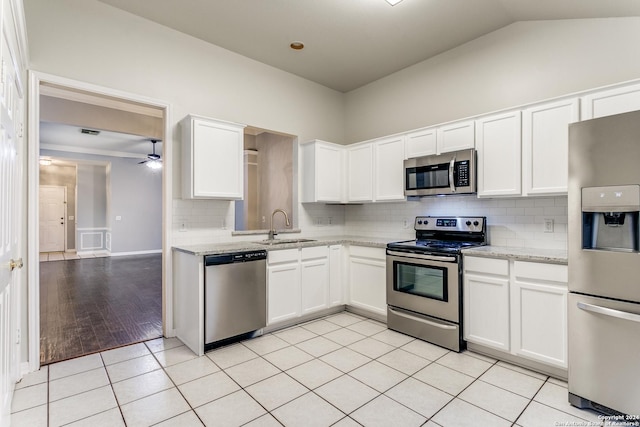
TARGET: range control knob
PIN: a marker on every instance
(476, 223)
(419, 221)
(468, 223)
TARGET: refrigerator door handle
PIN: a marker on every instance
(609, 312)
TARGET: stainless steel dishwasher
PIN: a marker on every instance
(235, 296)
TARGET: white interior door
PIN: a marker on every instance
(52, 218)
(12, 190)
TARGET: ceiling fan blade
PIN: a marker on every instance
(144, 161)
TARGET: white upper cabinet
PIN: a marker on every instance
(498, 140)
(360, 172)
(212, 159)
(545, 147)
(376, 170)
(456, 136)
(322, 172)
(611, 101)
(389, 169)
(421, 143)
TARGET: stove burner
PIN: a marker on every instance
(438, 244)
(445, 234)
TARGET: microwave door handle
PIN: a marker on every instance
(452, 184)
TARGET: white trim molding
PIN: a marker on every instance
(37, 78)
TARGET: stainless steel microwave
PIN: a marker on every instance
(449, 173)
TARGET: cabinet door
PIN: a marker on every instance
(336, 291)
(389, 169)
(421, 143)
(212, 159)
(367, 284)
(329, 177)
(486, 310)
(284, 292)
(545, 147)
(539, 322)
(322, 172)
(360, 167)
(456, 136)
(314, 284)
(610, 102)
(499, 155)
(539, 312)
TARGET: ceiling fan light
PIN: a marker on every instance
(154, 164)
(393, 2)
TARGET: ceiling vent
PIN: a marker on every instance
(90, 131)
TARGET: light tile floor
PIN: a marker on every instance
(341, 370)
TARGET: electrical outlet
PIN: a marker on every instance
(548, 225)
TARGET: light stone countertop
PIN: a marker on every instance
(552, 256)
(229, 247)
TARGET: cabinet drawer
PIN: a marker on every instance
(315, 252)
(539, 271)
(367, 252)
(487, 265)
(284, 255)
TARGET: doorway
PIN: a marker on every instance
(48, 89)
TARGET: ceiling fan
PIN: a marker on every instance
(154, 161)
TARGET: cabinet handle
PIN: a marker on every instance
(609, 312)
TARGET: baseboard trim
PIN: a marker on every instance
(153, 251)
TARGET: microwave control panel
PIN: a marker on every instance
(461, 173)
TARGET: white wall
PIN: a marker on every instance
(92, 42)
(522, 63)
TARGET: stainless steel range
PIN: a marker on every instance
(424, 278)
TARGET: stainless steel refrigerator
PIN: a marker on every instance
(604, 264)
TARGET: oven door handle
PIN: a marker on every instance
(424, 257)
(609, 312)
(420, 319)
(452, 184)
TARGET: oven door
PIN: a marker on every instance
(424, 283)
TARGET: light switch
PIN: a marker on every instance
(118, 218)
(71, 218)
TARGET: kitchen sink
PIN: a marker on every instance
(283, 241)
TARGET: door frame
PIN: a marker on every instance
(65, 216)
(33, 173)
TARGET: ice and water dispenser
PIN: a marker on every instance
(610, 218)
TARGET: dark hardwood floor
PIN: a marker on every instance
(95, 304)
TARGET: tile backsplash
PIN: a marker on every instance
(513, 222)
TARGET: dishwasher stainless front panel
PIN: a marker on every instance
(235, 299)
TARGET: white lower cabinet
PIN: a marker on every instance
(283, 282)
(314, 278)
(539, 312)
(486, 302)
(336, 271)
(303, 281)
(517, 307)
(367, 279)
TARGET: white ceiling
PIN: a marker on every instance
(349, 43)
(61, 137)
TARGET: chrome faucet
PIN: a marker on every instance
(272, 231)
